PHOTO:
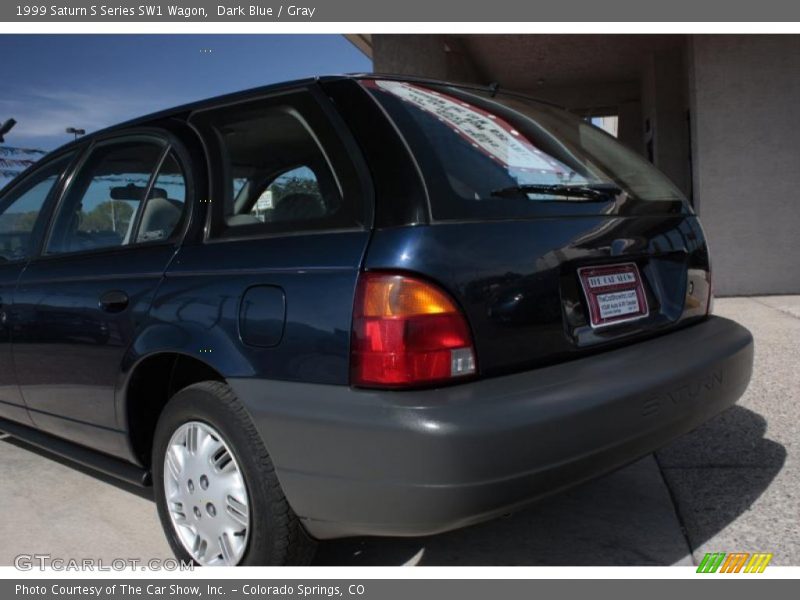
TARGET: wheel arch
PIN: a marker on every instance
(163, 359)
(150, 383)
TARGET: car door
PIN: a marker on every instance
(23, 210)
(80, 303)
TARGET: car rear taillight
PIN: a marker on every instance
(407, 332)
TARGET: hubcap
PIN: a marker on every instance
(206, 495)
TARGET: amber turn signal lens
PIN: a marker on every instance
(401, 296)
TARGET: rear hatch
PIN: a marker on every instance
(555, 240)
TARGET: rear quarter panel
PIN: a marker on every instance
(198, 305)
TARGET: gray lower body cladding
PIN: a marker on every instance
(368, 462)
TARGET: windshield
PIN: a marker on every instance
(505, 157)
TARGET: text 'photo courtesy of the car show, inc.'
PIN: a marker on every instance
(310, 293)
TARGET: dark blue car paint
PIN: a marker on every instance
(67, 350)
(262, 316)
(515, 280)
(12, 405)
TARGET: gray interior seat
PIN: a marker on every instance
(159, 219)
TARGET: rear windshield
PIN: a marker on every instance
(503, 157)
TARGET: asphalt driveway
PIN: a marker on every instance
(732, 485)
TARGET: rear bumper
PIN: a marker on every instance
(364, 462)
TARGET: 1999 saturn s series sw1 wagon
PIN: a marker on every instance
(354, 305)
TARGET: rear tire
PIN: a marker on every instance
(211, 518)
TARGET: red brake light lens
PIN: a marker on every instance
(407, 332)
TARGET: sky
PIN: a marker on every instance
(51, 82)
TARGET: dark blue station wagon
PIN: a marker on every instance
(354, 306)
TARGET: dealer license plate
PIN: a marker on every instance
(614, 294)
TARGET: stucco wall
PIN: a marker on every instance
(746, 155)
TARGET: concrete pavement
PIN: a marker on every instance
(736, 480)
(733, 485)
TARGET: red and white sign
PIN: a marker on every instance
(614, 293)
(489, 133)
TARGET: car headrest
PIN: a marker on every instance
(299, 207)
(159, 219)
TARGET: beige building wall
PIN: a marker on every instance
(746, 153)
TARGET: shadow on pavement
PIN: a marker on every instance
(625, 518)
(719, 470)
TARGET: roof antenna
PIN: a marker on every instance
(494, 87)
(5, 128)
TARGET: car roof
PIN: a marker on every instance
(184, 110)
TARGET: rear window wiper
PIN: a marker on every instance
(575, 193)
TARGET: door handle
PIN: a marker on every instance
(114, 301)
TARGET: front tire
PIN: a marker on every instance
(217, 494)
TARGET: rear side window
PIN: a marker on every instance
(279, 167)
(272, 205)
(501, 157)
(21, 211)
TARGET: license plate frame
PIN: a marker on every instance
(609, 290)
